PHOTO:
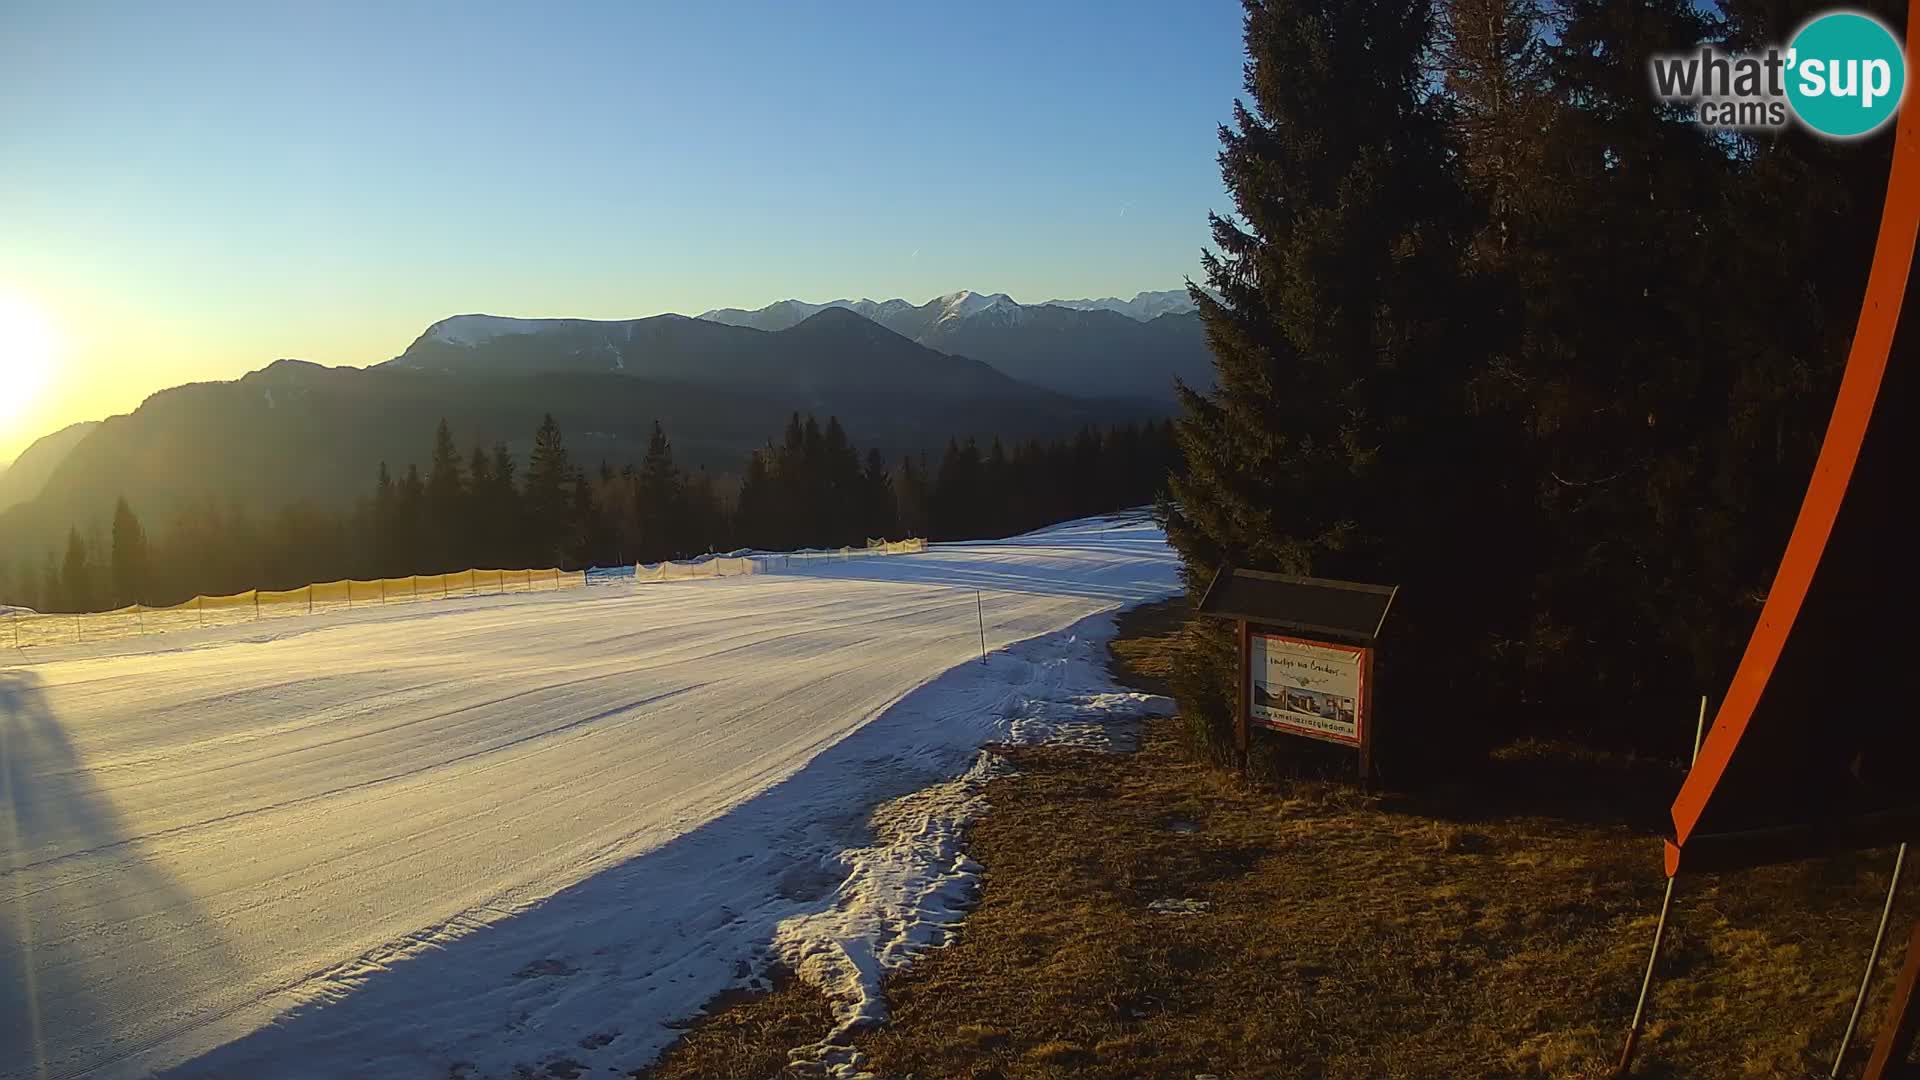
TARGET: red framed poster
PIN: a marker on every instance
(1312, 688)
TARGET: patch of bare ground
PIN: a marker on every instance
(1484, 931)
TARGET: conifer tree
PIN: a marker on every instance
(480, 526)
(446, 504)
(1493, 60)
(910, 496)
(410, 513)
(386, 525)
(659, 500)
(76, 575)
(131, 564)
(878, 496)
(53, 595)
(756, 507)
(548, 507)
(1332, 445)
(1621, 358)
(505, 509)
(704, 520)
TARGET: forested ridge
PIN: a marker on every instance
(810, 486)
(1497, 325)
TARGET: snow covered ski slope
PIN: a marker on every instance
(457, 838)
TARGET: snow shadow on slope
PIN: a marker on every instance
(588, 981)
(61, 839)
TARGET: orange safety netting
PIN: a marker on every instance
(33, 628)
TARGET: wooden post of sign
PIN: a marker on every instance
(1366, 719)
(1243, 713)
(1895, 1044)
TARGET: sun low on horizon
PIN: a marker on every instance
(30, 345)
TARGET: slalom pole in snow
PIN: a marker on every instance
(980, 612)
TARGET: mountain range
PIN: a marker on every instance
(976, 364)
(1130, 348)
(28, 473)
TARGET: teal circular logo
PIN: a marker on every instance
(1846, 74)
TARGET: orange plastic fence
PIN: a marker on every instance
(36, 629)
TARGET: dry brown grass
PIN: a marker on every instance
(1144, 645)
(1459, 935)
(746, 1036)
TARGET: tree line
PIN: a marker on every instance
(811, 487)
(1493, 323)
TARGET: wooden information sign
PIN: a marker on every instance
(1306, 655)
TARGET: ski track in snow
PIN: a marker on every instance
(469, 837)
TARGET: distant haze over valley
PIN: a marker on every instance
(902, 377)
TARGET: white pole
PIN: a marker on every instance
(1873, 959)
(980, 612)
(1659, 929)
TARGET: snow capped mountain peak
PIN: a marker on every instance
(914, 320)
(1145, 306)
(966, 303)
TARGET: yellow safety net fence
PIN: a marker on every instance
(767, 563)
(23, 630)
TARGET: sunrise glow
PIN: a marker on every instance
(29, 349)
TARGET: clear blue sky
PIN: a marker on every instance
(191, 190)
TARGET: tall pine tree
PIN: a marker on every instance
(446, 508)
(131, 564)
(1334, 443)
(549, 505)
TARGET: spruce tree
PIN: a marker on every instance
(659, 500)
(704, 524)
(879, 514)
(53, 595)
(131, 562)
(1623, 363)
(1493, 60)
(1334, 443)
(910, 496)
(756, 522)
(410, 514)
(480, 527)
(548, 507)
(505, 510)
(386, 525)
(76, 575)
(446, 507)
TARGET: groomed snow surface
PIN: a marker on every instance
(480, 836)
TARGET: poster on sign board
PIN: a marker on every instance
(1307, 687)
